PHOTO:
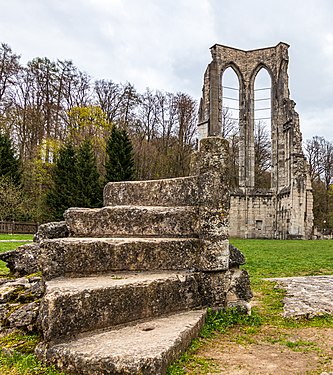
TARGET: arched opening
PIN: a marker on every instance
(230, 102)
(262, 129)
(230, 120)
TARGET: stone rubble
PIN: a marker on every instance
(20, 303)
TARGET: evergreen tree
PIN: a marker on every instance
(89, 189)
(9, 164)
(63, 192)
(75, 180)
(119, 164)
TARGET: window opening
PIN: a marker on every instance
(262, 129)
(230, 120)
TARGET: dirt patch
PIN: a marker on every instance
(269, 351)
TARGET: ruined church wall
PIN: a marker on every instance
(285, 211)
(284, 216)
(252, 216)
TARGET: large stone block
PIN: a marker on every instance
(181, 191)
(144, 348)
(83, 256)
(214, 255)
(133, 221)
(71, 306)
(213, 223)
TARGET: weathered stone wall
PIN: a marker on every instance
(284, 211)
(252, 215)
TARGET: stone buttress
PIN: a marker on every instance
(128, 289)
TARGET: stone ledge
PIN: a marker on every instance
(133, 221)
(143, 348)
(71, 306)
(73, 257)
(181, 191)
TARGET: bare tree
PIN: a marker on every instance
(230, 126)
(9, 68)
(319, 153)
(262, 147)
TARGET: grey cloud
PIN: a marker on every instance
(165, 45)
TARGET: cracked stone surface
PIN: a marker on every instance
(307, 295)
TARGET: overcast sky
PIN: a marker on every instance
(165, 44)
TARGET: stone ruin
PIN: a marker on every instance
(285, 210)
(127, 286)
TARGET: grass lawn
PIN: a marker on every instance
(10, 237)
(281, 258)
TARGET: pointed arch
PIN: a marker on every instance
(262, 127)
(231, 86)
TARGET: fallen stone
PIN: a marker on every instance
(239, 289)
(236, 257)
(307, 296)
(23, 260)
(24, 316)
(21, 290)
(57, 229)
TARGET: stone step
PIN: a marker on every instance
(72, 257)
(143, 348)
(74, 305)
(133, 221)
(182, 191)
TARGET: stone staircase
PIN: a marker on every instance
(127, 291)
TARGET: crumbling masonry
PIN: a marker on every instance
(285, 210)
(127, 286)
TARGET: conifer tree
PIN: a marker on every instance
(63, 192)
(9, 164)
(75, 180)
(119, 164)
(89, 189)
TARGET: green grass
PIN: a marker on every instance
(17, 358)
(5, 237)
(281, 258)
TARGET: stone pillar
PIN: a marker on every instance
(211, 168)
(214, 127)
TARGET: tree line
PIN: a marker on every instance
(49, 107)
(319, 153)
